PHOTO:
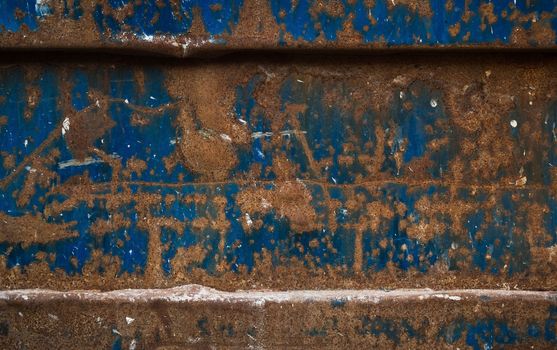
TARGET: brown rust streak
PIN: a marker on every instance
(29, 229)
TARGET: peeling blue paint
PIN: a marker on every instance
(458, 22)
(401, 25)
(166, 18)
(493, 242)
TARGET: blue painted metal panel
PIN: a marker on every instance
(234, 24)
(98, 156)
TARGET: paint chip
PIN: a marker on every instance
(225, 137)
(514, 123)
(433, 103)
(521, 182)
(65, 126)
(129, 320)
(249, 221)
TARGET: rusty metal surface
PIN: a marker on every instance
(199, 318)
(183, 28)
(377, 172)
(308, 191)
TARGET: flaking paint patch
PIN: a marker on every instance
(381, 184)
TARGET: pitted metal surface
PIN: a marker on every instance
(372, 173)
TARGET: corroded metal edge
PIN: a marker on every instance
(193, 316)
(202, 294)
(198, 27)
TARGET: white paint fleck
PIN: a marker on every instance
(129, 320)
(514, 123)
(65, 126)
(133, 343)
(25, 143)
(225, 137)
(447, 296)
(115, 331)
(260, 134)
(54, 317)
(41, 8)
(401, 95)
(127, 101)
(299, 81)
(433, 103)
(249, 221)
(86, 161)
(265, 204)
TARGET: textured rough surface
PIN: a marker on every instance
(308, 190)
(195, 317)
(290, 173)
(183, 28)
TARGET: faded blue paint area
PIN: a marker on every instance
(492, 333)
(389, 243)
(26, 136)
(168, 18)
(141, 125)
(117, 344)
(495, 242)
(26, 133)
(400, 25)
(380, 326)
(463, 22)
(243, 249)
(549, 158)
(413, 129)
(73, 9)
(142, 141)
(328, 127)
(17, 13)
(249, 113)
(482, 333)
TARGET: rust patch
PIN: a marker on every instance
(290, 200)
(29, 229)
(88, 125)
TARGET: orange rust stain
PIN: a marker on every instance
(29, 229)
(290, 200)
